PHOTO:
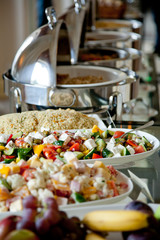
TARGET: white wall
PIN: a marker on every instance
(17, 20)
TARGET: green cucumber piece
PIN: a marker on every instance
(89, 155)
(125, 152)
(104, 135)
(17, 135)
(106, 153)
(79, 155)
(110, 133)
(145, 139)
(8, 151)
(100, 144)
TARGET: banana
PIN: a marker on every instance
(116, 220)
(94, 236)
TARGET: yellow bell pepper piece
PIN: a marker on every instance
(37, 149)
(85, 152)
(2, 148)
(4, 170)
(4, 195)
(17, 160)
(96, 129)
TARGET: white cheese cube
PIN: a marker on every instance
(16, 180)
(90, 143)
(4, 138)
(130, 149)
(110, 146)
(112, 140)
(49, 139)
(29, 140)
(118, 149)
(16, 205)
(35, 135)
(65, 137)
(70, 156)
(82, 133)
(43, 194)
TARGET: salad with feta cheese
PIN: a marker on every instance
(71, 183)
(67, 146)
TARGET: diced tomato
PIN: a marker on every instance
(74, 147)
(112, 185)
(118, 134)
(95, 155)
(112, 170)
(139, 149)
(19, 142)
(28, 174)
(132, 143)
(49, 152)
(10, 137)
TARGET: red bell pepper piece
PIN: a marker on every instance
(132, 143)
(10, 137)
(8, 156)
(95, 155)
(74, 147)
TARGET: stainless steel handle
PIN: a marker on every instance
(51, 17)
(150, 123)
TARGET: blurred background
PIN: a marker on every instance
(19, 18)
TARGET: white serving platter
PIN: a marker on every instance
(129, 158)
(120, 178)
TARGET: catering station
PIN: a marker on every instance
(83, 131)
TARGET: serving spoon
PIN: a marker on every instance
(148, 124)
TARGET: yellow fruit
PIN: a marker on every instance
(116, 220)
(94, 236)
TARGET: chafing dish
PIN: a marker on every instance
(32, 81)
(113, 39)
(111, 57)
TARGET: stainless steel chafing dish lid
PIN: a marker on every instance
(102, 38)
(122, 25)
(35, 61)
